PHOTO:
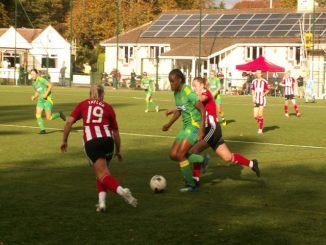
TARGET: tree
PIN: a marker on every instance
(321, 3)
(4, 18)
(221, 5)
(251, 4)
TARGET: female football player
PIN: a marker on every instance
(259, 88)
(213, 133)
(193, 116)
(42, 92)
(101, 136)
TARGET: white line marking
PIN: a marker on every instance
(172, 137)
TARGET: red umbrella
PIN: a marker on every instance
(260, 64)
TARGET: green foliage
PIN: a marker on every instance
(4, 18)
(321, 3)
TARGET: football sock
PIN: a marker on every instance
(152, 103)
(239, 159)
(192, 158)
(261, 122)
(55, 115)
(222, 116)
(286, 109)
(100, 186)
(196, 171)
(101, 197)
(40, 122)
(147, 104)
(110, 183)
(187, 172)
(296, 108)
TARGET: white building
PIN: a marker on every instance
(45, 50)
(228, 38)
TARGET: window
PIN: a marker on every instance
(49, 61)
(125, 53)
(156, 51)
(10, 59)
(253, 52)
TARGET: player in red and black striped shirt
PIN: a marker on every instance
(259, 87)
(213, 134)
(100, 136)
(288, 84)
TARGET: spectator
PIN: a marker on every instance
(300, 87)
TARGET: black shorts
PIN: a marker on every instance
(213, 136)
(289, 97)
(258, 105)
(99, 148)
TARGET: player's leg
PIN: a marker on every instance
(286, 107)
(256, 114)
(185, 139)
(147, 100)
(201, 163)
(39, 119)
(100, 152)
(226, 155)
(260, 119)
(48, 107)
(295, 107)
(219, 109)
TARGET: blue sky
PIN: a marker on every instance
(228, 3)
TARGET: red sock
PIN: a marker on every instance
(296, 108)
(261, 122)
(196, 170)
(110, 183)
(239, 159)
(100, 186)
(286, 109)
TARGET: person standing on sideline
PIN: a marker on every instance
(101, 137)
(288, 84)
(63, 74)
(309, 92)
(147, 84)
(193, 118)
(259, 88)
(42, 92)
(300, 87)
(215, 88)
(213, 135)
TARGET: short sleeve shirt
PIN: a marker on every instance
(185, 100)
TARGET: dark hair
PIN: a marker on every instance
(178, 73)
(34, 70)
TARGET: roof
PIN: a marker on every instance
(188, 46)
(29, 34)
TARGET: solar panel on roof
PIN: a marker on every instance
(239, 25)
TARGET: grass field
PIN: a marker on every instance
(47, 197)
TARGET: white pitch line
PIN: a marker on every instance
(172, 137)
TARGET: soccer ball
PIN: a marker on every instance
(157, 183)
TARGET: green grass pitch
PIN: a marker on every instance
(47, 197)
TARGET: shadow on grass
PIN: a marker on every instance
(17, 113)
(271, 128)
(230, 121)
(13, 133)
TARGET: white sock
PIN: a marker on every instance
(120, 190)
(251, 164)
(102, 198)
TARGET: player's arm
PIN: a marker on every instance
(46, 94)
(117, 143)
(266, 89)
(176, 114)
(66, 131)
(34, 96)
(199, 105)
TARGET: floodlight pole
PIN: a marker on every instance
(117, 33)
(15, 42)
(199, 48)
(71, 61)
